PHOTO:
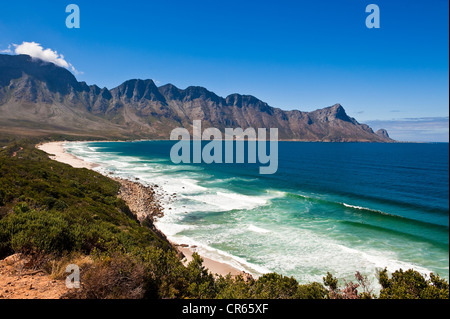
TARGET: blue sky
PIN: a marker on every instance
(291, 54)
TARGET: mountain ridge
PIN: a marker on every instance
(45, 97)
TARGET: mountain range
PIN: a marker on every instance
(38, 97)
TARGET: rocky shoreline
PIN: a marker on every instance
(141, 199)
(144, 204)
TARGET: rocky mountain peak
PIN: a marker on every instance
(330, 114)
(57, 79)
(198, 92)
(137, 90)
(171, 92)
(382, 133)
(338, 112)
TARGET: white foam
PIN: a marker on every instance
(224, 201)
(387, 259)
(170, 228)
(352, 206)
(258, 229)
(365, 208)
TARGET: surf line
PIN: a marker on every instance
(213, 151)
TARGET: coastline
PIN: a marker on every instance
(151, 208)
(57, 153)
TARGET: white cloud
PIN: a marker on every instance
(8, 50)
(35, 50)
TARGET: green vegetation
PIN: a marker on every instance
(60, 215)
(412, 285)
(53, 208)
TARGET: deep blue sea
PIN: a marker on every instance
(337, 207)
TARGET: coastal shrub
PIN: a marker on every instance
(21, 208)
(90, 217)
(330, 282)
(269, 286)
(411, 284)
(166, 274)
(2, 197)
(275, 286)
(112, 276)
(350, 289)
(59, 232)
(313, 290)
(237, 287)
(201, 281)
(365, 287)
(35, 231)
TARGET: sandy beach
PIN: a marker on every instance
(214, 267)
(57, 152)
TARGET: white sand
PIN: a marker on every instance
(214, 267)
(57, 153)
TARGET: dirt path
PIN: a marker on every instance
(19, 283)
(14, 154)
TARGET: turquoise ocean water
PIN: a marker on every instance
(337, 207)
